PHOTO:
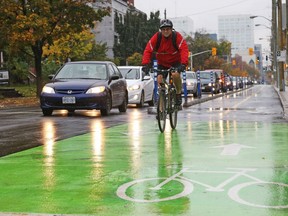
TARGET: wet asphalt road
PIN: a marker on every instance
(228, 154)
(23, 128)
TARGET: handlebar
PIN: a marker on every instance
(165, 71)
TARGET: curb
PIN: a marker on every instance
(284, 102)
(201, 100)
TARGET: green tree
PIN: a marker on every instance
(213, 63)
(98, 52)
(35, 23)
(134, 32)
(74, 46)
(200, 43)
(135, 59)
(224, 50)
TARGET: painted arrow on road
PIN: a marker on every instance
(232, 149)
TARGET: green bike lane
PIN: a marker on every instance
(225, 168)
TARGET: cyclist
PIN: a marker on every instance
(167, 54)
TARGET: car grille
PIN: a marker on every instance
(70, 91)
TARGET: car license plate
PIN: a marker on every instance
(68, 100)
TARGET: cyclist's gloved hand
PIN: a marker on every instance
(146, 69)
(181, 68)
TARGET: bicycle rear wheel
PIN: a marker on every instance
(161, 111)
(173, 110)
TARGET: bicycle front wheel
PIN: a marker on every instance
(161, 111)
(173, 110)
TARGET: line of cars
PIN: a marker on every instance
(101, 85)
(214, 81)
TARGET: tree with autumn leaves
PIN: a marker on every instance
(39, 23)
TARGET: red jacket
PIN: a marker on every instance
(166, 54)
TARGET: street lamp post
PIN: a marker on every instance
(273, 38)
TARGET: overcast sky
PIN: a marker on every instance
(204, 13)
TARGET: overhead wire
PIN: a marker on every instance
(219, 8)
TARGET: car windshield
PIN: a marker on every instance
(205, 75)
(130, 73)
(82, 71)
(190, 76)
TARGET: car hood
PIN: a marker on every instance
(204, 80)
(133, 82)
(76, 84)
(191, 80)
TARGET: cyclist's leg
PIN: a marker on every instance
(178, 84)
(161, 77)
(176, 76)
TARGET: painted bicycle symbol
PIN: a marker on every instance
(188, 186)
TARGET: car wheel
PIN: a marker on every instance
(152, 101)
(47, 112)
(123, 106)
(195, 94)
(141, 103)
(106, 111)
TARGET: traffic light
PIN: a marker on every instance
(251, 51)
(233, 62)
(214, 51)
(257, 60)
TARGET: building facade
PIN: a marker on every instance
(105, 30)
(184, 25)
(239, 30)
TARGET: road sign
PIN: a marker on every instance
(281, 55)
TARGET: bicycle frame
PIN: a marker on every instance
(166, 100)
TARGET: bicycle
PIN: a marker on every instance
(166, 100)
(164, 186)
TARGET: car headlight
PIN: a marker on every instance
(134, 87)
(47, 89)
(96, 90)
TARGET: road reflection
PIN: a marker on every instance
(49, 136)
(97, 141)
(134, 134)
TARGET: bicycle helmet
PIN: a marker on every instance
(166, 23)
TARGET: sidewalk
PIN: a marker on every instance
(283, 95)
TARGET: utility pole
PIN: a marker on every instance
(281, 46)
(286, 36)
(274, 41)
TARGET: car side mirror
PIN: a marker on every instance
(146, 77)
(51, 76)
(114, 77)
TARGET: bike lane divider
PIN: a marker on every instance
(181, 172)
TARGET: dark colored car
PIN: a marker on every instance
(229, 82)
(85, 85)
(210, 81)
